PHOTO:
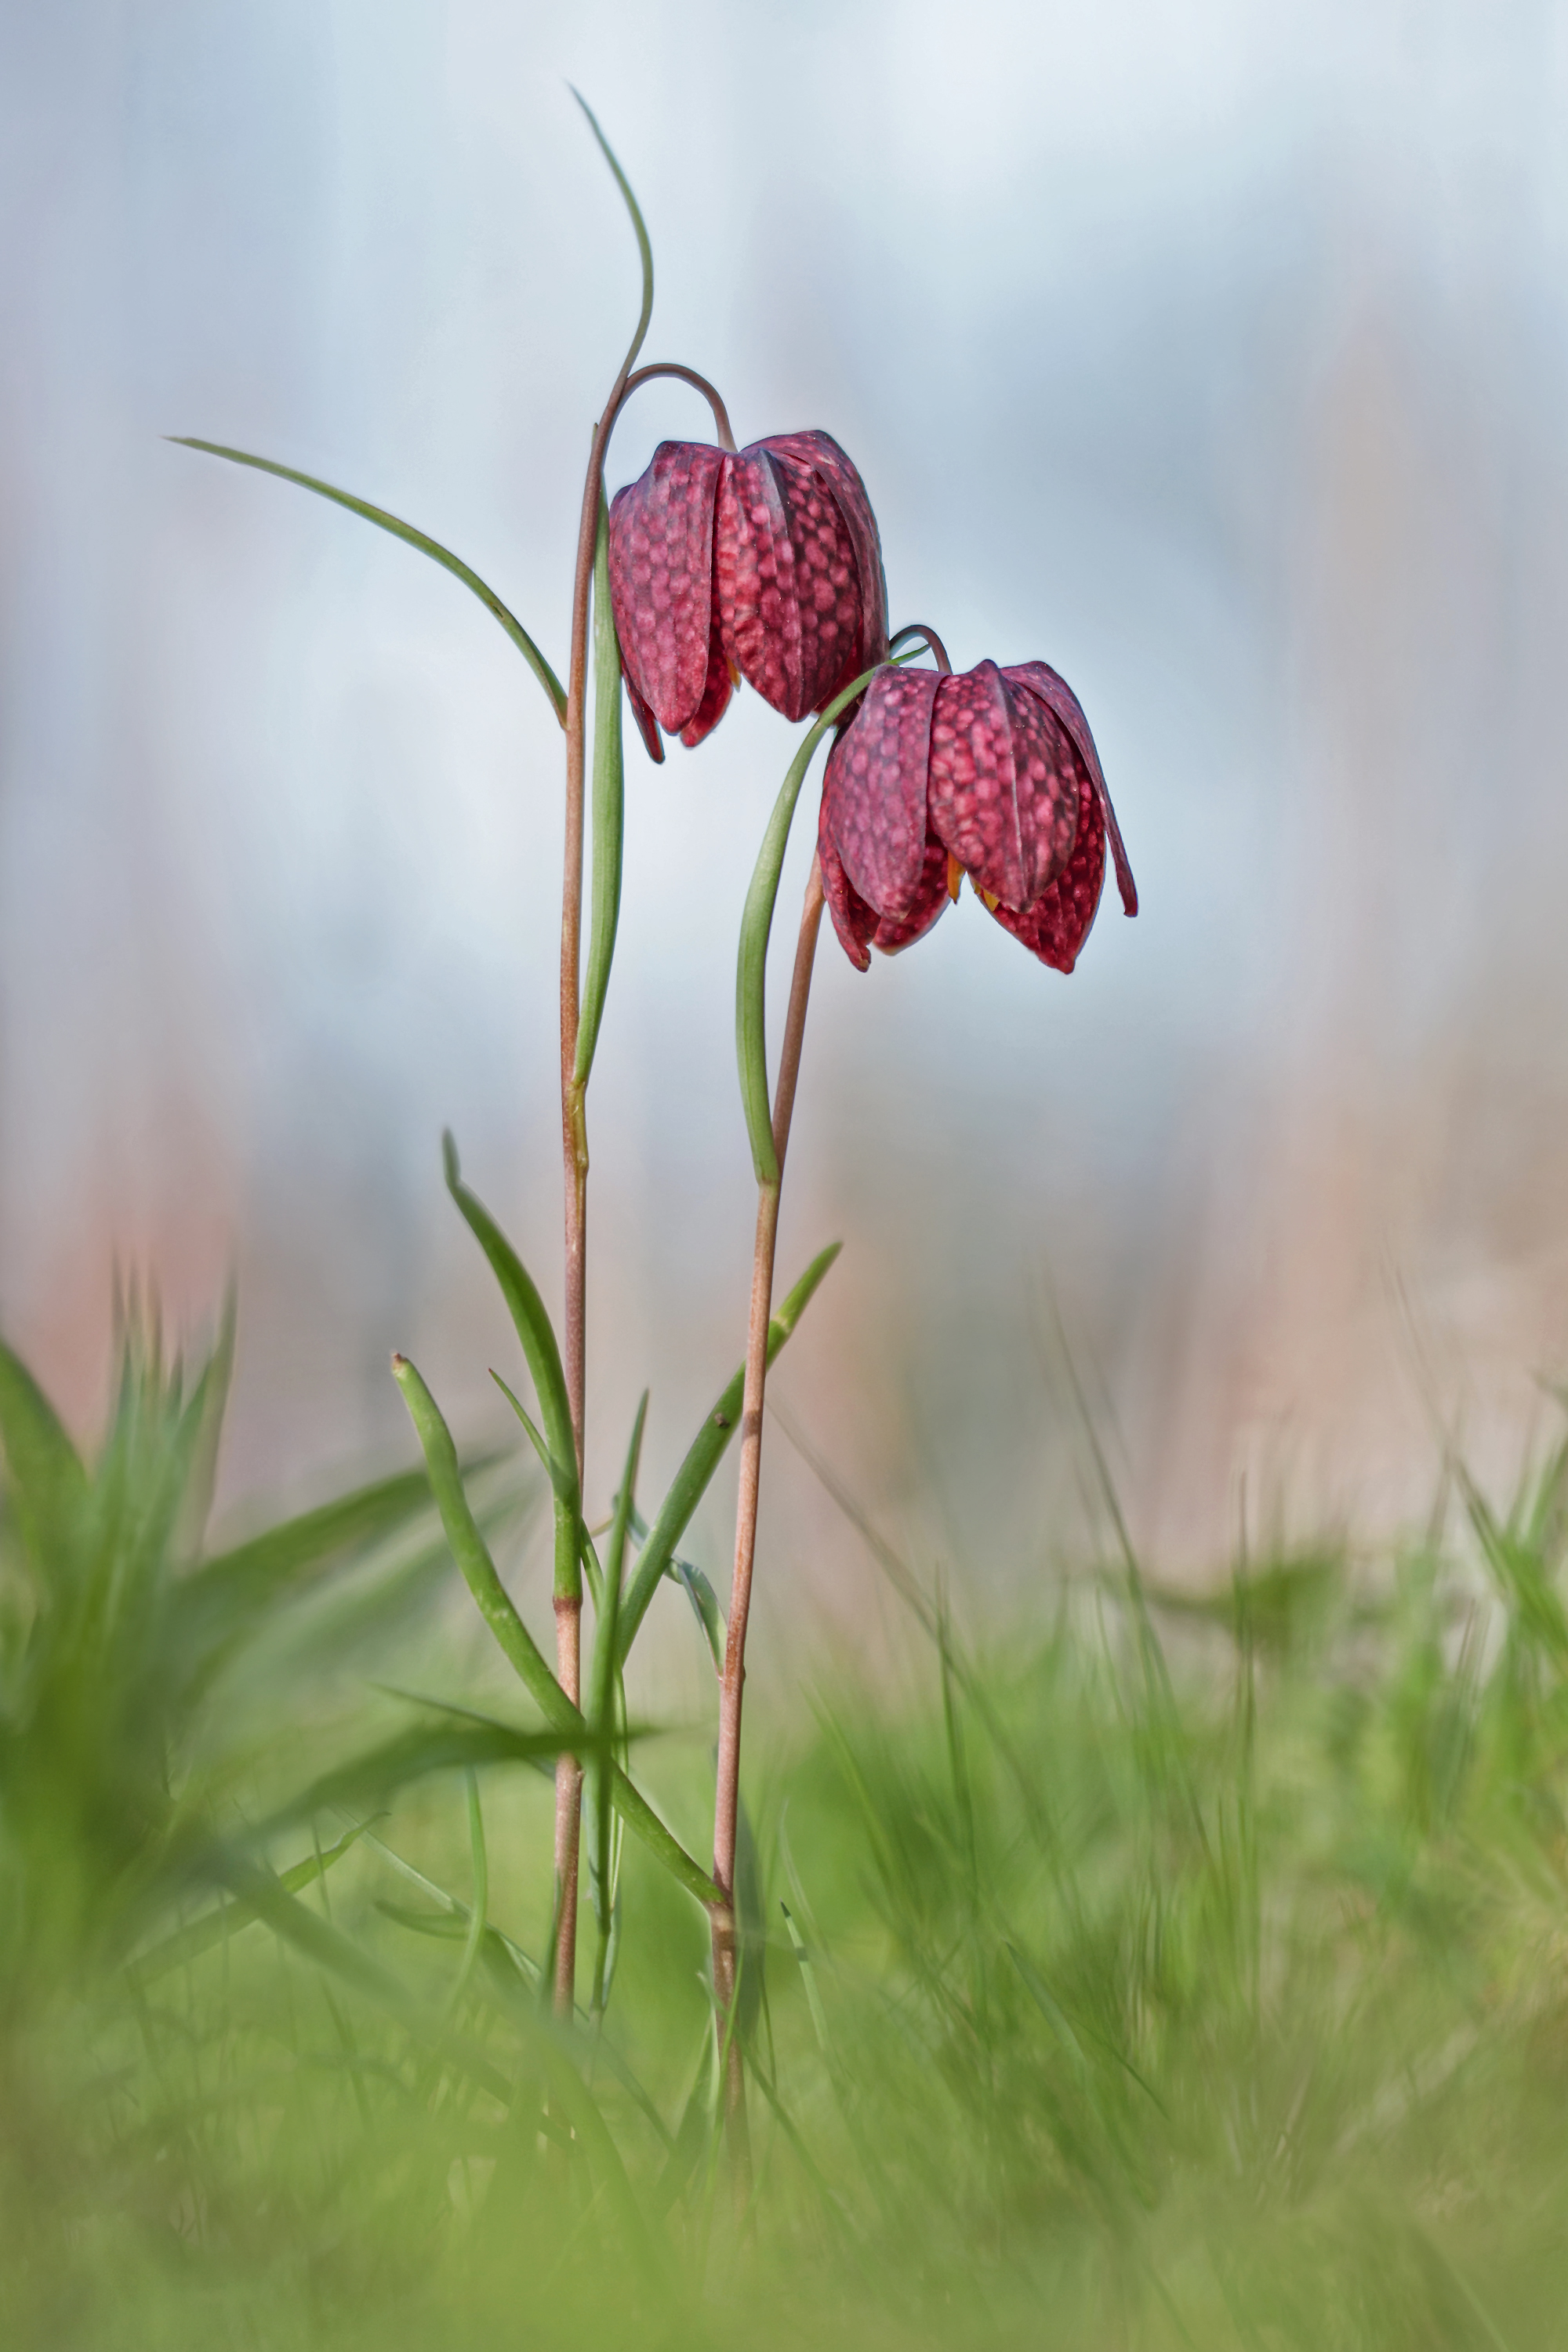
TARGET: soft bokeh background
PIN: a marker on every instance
(1215, 352)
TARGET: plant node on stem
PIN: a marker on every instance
(726, 1951)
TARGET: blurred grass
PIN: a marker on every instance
(1173, 1971)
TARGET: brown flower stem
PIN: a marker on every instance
(575, 1125)
(937, 649)
(726, 1815)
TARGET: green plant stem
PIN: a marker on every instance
(726, 1813)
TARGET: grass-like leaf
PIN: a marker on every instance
(756, 923)
(537, 1335)
(45, 1479)
(645, 250)
(703, 1456)
(410, 538)
(607, 804)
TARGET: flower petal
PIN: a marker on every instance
(1054, 689)
(661, 577)
(973, 799)
(753, 571)
(822, 452)
(930, 903)
(854, 922)
(1046, 771)
(874, 795)
(789, 613)
(827, 588)
(1056, 927)
(716, 692)
(648, 725)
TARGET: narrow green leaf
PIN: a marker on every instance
(703, 1457)
(368, 1782)
(470, 1550)
(645, 250)
(756, 923)
(602, 1694)
(808, 1980)
(475, 1937)
(560, 1478)
(48, 1482)
(281, 1556)
(411, 538)
(607, 804)
(189, 1943)
(204, 1414)
(705, 1608)
(535, 1331)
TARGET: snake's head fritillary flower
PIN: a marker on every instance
(991, 774)
(762, 564)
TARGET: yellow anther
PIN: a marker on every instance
(954, 878)
(990, 896)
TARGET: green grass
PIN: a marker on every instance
(1165, 1973)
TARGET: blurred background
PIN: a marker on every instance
(1215, 352)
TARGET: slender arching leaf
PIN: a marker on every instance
(470, 1550)
(602, 1688)
(205, 1410)
(559, 1477)
(48, 1483)
(703, 1457)
(410, 538)
(538, 1337)
(645, 250)
(608, 805)
(473, 1556)
(281, 1556)
(756, 923)
(188, 1943)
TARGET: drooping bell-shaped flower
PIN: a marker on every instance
(762, 564)
(991, 774)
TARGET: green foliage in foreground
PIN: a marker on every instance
(1175, 1975)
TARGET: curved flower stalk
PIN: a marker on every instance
(994, 774)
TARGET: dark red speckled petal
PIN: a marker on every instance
(661, 576)
(931, 902)
(1056, 925)
(753, 568)
(972, 803)
(648, 725)
(852, 918)
(874, 796)
(821, 451)
(717, 690)
(1054, 689)
(826, 585)
(1046, 774)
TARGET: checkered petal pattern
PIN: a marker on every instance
(994, 771)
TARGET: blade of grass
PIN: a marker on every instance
(410, 538)
(703, 1457)
(756, 924)
(607, 807)
(602, 1700)
(537, 1336)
